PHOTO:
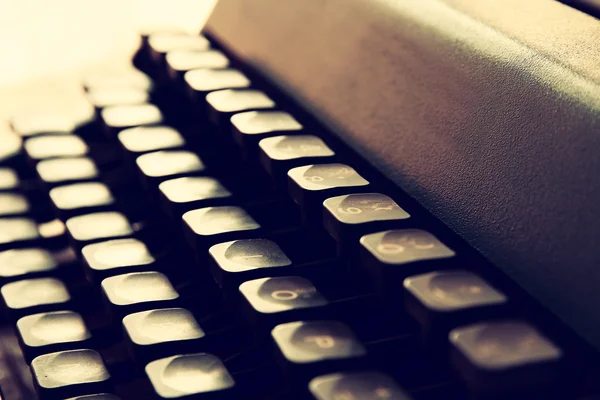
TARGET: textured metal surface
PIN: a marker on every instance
(487, 112)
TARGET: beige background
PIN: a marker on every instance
(48, 45)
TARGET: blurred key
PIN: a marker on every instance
(310, 348)
(69, 373)
(222, 104)
(205, 227)
(181, 61)
(350, 216)
(114, 257)
(310, 185)
(271, 301)
(234, 262)
(159, 333)
(30, 296)
(145, 139)
(137, 291)
(442, 300)
(160, 166)
(117, 118)
(42, 123)
(367, 385)
(13, 204)
(200, 82)
(102, 97)
(9, 180)
(123, 79)
(500, 359)
(99, 396)
(180, 195)
(25, 263)
(52, 146)
(279, 154)
(389, 257)
(81, 198)
(249, 128)
(18, 233)
(160, 43)
(191, 376)
(85, 229)
(60, 171)
(52, 331)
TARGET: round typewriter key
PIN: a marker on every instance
(30, 296)
(223, 104)
(191, 376)
(163, 165)
(137, 291)
(367, 385)
(180, 61)
(115, 257)
(154, 334)
(271, 301)
(180, 195)
(25, 263)
(279, 154)
(62, 171)
(310, 348)
(238, 261)
(69, 373)
(250, 127)
(208, 226)
(503, 358)
(52, 331)
(310, 185)
(18, 233)
(350, 216)
(391, 256)
(442, 300)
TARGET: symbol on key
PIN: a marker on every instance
(442, 300)
(391, 256)
(234, 262)
(505, 358)
(310, 185)
(309, 348)
(367, 385)
(271, 301)
(348, 217)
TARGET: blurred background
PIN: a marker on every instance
(48, 45)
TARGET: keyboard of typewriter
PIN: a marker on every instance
(203, 238)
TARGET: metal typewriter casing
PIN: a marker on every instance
(487, 112)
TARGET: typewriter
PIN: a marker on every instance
(316, 199)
